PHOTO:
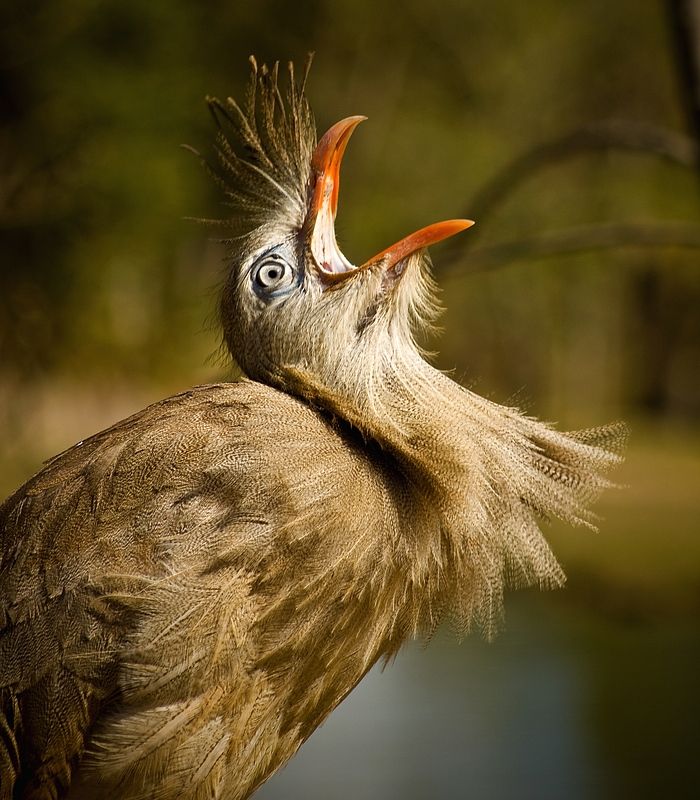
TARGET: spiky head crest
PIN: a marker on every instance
(264, 149)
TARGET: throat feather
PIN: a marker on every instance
(491, 473)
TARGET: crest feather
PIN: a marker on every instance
(264, 148)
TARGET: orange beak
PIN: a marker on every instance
(325, 164)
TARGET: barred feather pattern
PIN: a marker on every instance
(245, 602)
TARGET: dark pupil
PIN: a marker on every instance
(272, 273)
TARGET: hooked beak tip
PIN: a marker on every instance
(331, 146)
(325, 164)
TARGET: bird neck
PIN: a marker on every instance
(480, 475)
(403, 405)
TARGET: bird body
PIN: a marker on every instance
(205, 568)
(188, 594)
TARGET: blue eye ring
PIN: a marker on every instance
(273, 276)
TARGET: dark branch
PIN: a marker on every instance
(602, 135)
(581, 239)
(684, 17)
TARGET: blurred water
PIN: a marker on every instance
(566, 703)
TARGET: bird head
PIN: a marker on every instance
(296, 313)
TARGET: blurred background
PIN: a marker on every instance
(570, 132)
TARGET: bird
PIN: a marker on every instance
(187, 595)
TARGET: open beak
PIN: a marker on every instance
(332, 264)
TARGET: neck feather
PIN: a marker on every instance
(490, 472)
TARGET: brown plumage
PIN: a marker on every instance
(188, 594)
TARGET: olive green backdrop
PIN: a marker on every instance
(569, 132)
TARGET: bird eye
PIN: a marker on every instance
(273, 275)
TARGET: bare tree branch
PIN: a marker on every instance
(580, 239)
(601, 135)
(684, 17)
